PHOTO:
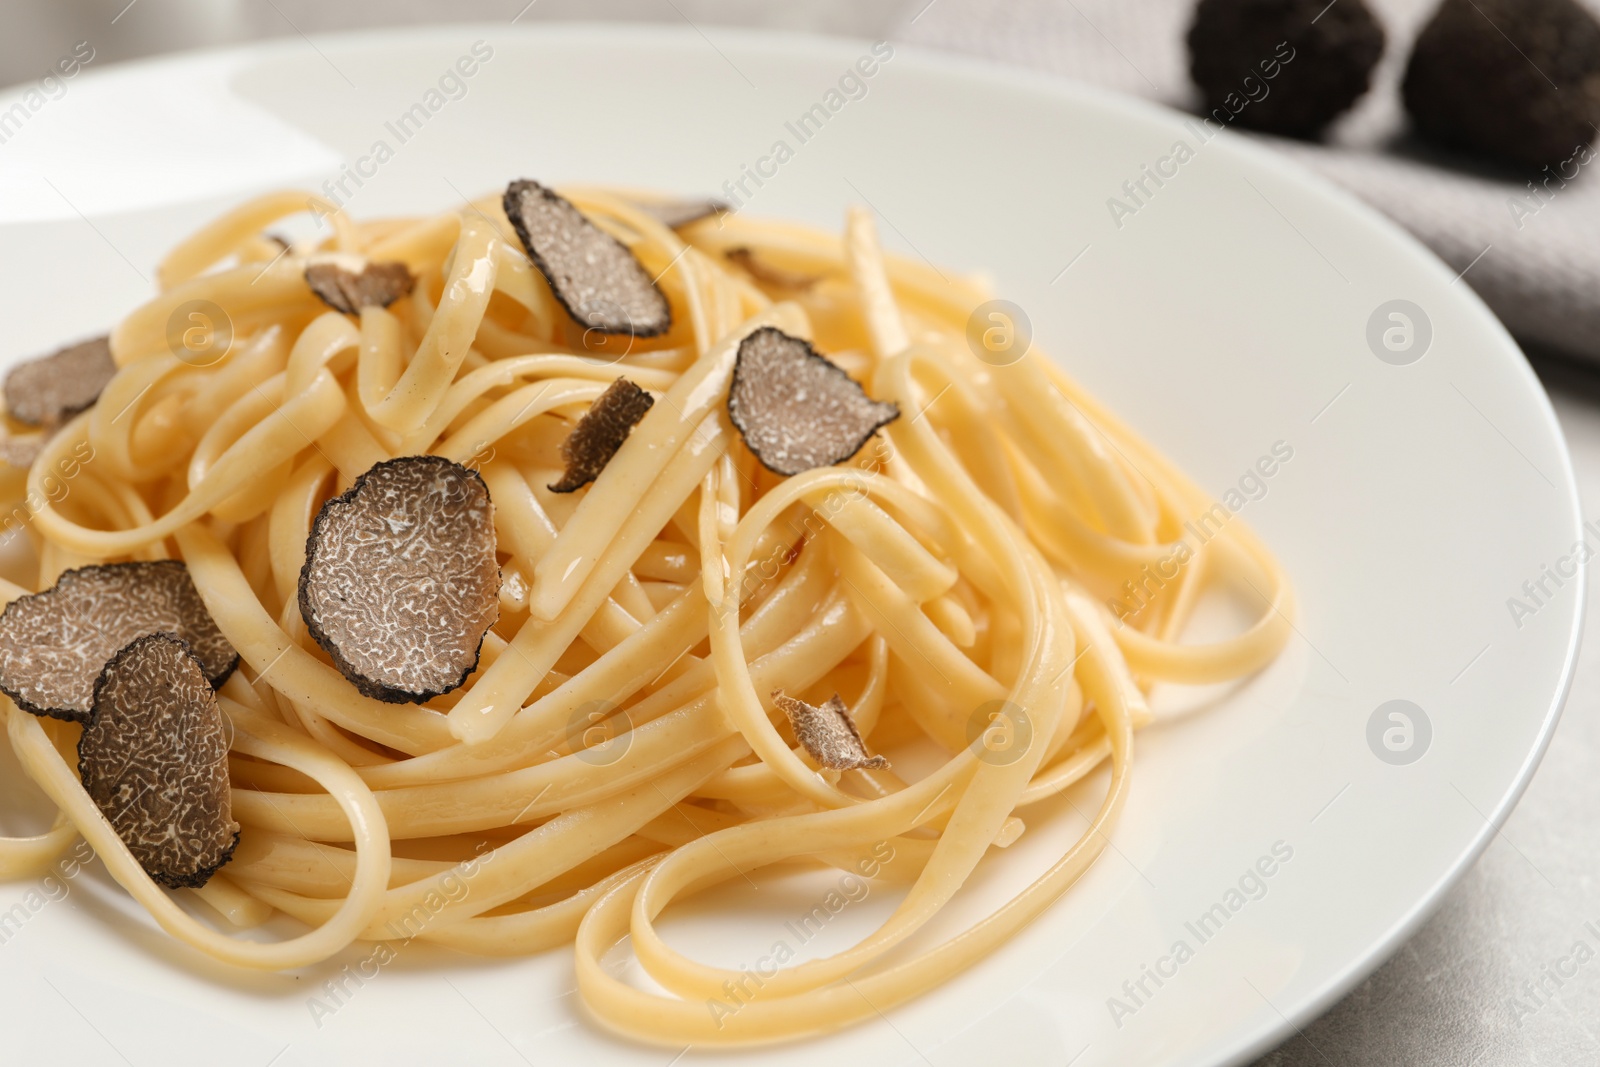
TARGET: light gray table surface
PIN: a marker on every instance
(1455, 994)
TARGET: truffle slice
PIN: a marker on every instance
(1307, 61)
(787, 281)
(375, 285)
(54, 644)
(595, 277)
(22, 449)
(51, 389)
(1518, 80)
(677, 213)
(154, 759)
(401, 581)
(601, 431)
(828, 733)
(795, 409)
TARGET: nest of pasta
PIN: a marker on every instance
(587, 563)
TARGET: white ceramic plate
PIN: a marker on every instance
(1228, 314)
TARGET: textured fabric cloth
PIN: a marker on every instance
(1534, 257)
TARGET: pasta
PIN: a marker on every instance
(618, 747)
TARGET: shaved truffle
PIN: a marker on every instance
(51, 389)
(600, 283)
(601, 431)
(375, 285)
(154, 759)
(772, 277)
(1516, 80)
(401, 581)
(675, 213)
(795, 409)
(21, 450)
(54, 644)
(828, 733)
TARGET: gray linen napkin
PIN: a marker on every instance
(1533, 257)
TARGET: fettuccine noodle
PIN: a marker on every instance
(617, 750)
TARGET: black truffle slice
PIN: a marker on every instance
(1517, 80)
(20, 451)
(51, 389)
(601, 431)
(765, 274)
(795, 409)
(375, 285)
(54, 644)
(1311, 60)
(677, 213)
(154, 759)
(595, 277)
(828, 733)
(400, 581)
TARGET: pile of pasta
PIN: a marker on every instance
(619, 746)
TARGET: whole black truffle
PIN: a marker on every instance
(1283, 66)
(1518, 80)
